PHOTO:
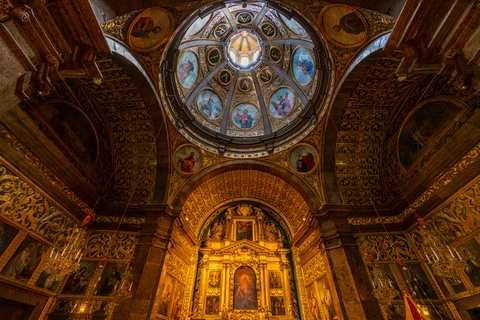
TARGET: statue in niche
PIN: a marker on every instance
(270, 231)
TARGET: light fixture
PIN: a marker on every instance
(68, 260)
(445, 261)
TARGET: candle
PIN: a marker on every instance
(450, 252)
(459, 257)
(435, 254)
(51, 253)
(426, 255)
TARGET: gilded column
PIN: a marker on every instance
(344, 262)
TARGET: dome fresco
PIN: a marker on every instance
(244, 75)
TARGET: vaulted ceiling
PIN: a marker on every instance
(245, 184)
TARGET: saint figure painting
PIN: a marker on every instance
(187, 159)
(303, 158)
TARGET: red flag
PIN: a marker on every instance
(411, 312)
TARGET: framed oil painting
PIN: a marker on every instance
(177, 303)
(212, 305)
(424, 127)
(281, 103)
(72, 128)
(343, 25)
(418, 282)
(278, 306)
(245, 116)
(47, 281)
(150, 29)
(214, 279)
(244, 230)
(303, 66)
(449, 286)
(388, 279)
(470, 252)
(187, 69)
(25, 260)
(7, 234)
(325, 299)
(209, 104)
(77, 282)
(275, 280)
(166, 293)
(187, 159)
(245, 292)
(303, 158)
(474, 313)
(112, 273)
(313, 302)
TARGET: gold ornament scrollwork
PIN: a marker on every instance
(387, 247)
(119, 246)
(5, 9)
(22, 204)
(314, 268)
(177, 267)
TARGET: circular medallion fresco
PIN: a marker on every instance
(303, 158)
(187, 159)
(209, 104)
(245, 77)
(303, 66)
(187, 69)
(150, 29)
(281, 103)
(344, 25)
(245, 116)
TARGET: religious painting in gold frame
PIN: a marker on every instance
(24, 260)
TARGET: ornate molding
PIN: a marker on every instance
(469, 159)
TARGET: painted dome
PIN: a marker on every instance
(245, 80)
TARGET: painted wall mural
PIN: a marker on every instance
(73, 128)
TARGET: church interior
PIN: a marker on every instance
(234, 160)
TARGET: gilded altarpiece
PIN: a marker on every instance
(245, 270)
